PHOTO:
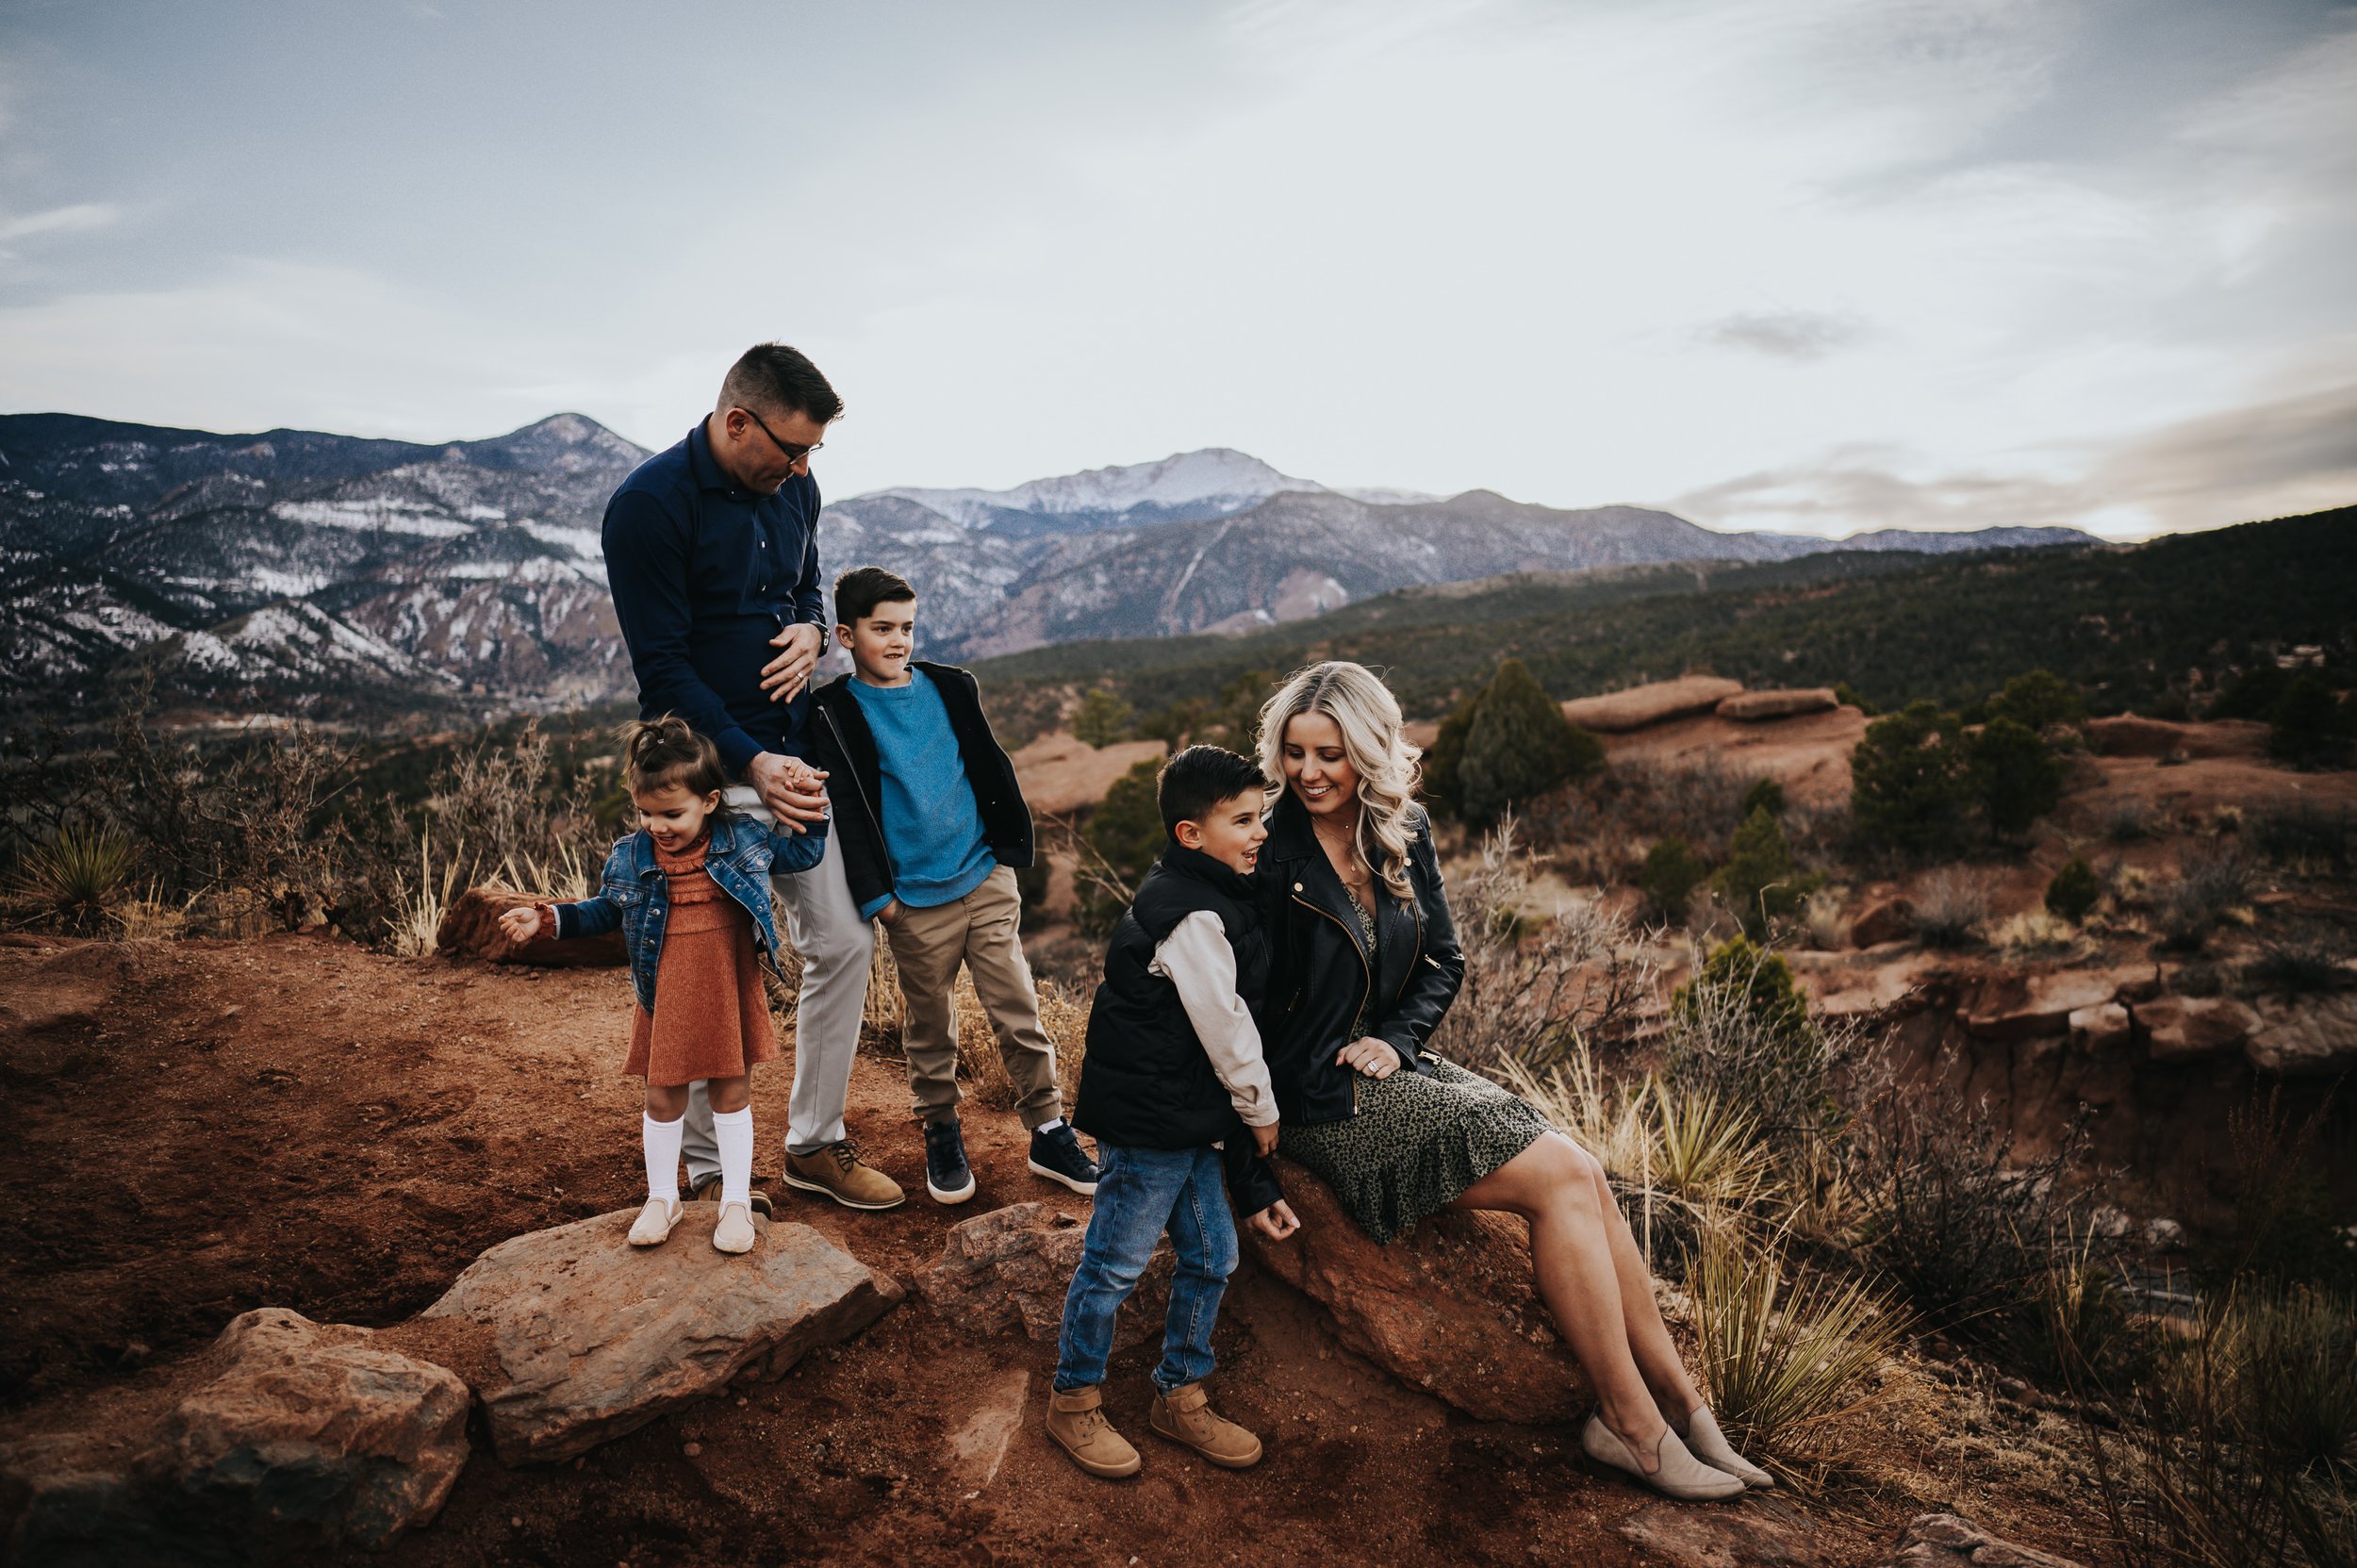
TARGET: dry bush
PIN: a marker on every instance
(418, 905)
(1783, 1362)
(1062, 1016)
(2212, 884)
(2035, 934)
(1742, 1032)
(1951, 909)
(1529, 991)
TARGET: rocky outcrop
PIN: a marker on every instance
(1010, 1269)
(2107, 1027)
(1946, 1541)
(1652, 704)
(2182, 1029)
(595, 1338)
(1883, 920)
(2313, 1035)
(2128, 735)
(298, 1437)
(471, 929)
(1763, 1532)
(1449, 1307)
(1751, 706)
(2012, 1005)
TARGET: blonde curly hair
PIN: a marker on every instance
(1374, 738)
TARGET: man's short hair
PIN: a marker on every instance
(858, 592)
(1200, 778)
(770, 378)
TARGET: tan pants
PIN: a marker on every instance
(979, 931)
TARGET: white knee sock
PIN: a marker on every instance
(662, 1143)
(734, 1131)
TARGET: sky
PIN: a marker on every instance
(1821, 265)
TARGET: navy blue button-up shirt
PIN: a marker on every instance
(704, 573)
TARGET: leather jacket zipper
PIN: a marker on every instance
(1366, 984)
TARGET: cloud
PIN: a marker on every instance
(1796, 334)
(78, 219)
(2272, 457)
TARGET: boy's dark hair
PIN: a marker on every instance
(660, 753)
(858, 591)
(1201, 777)
(770, 378)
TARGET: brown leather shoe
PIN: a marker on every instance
(1186, 1415)
(835, 1171)
(1077, 1420)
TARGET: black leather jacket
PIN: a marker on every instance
(1321, 972)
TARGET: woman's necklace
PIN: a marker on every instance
(1351, 868)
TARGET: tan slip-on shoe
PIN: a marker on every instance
(1186, 1415)
(652, 1227)
(835, 1172)
(735, 1233)
(1680, 1474)
(1077, 1421)
(1706, 1442)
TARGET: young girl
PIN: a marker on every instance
(690, 890)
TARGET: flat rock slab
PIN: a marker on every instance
(595, 1338)
(2314, 1035)
(1011, 1267)
(1946, 1541)
(1652, 704)
(1448, 1308)
(1751, 1533)
(2013, 1005)
(1752, 706)
(2180, 1029)
(294, 1438)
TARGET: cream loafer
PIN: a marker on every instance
(1680, 1474)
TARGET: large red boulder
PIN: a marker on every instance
(471, 929)
(1449, 1307)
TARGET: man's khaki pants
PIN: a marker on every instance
(980, 932)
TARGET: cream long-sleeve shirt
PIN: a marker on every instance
(1196, 958)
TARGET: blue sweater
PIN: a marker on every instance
(704, 573)
(932, 825)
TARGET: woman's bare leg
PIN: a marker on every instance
(1559, 1187)
(1649, 1341)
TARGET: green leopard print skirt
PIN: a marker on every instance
(1417, 1142)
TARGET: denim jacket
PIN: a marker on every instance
(634, 895)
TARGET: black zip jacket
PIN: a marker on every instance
(1146, 1080)
(843, 745)
(1322, 973)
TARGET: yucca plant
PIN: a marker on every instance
(77, 875)
(418, 922)
(1709, 1152)
(2297, 1376)
(1780, 1362)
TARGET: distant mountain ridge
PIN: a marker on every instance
(298, 571)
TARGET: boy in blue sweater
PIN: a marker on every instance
(932, 828)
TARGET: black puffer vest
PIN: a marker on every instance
(1147, 1082)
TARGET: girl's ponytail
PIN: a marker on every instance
(658, 753)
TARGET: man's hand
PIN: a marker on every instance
(1265, 1140)
(782, 677)
(794, 791)
(891, 913)
(1277, 1221)
(521, 924)
(1374, 1058)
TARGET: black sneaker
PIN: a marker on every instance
(947, 1176)
(708, 1191)
(1059, 1157)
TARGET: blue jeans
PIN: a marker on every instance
(1140, 1194)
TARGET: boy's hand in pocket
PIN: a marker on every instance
(1277, 1221)
(1265, 1140)
(890, 914)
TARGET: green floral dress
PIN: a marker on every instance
(1417, 1139)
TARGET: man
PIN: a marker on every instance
(711, 552)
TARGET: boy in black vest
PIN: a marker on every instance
(1172, 1073)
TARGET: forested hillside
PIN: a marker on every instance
(2156, 628)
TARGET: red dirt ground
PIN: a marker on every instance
(201, 1127)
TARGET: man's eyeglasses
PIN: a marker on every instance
(793, 453)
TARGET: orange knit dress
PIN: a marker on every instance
(711, 1019)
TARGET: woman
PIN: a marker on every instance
(1366, 963)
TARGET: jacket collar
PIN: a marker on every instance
(1307, 875)
(1179, 861)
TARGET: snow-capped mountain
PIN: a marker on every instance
(1183, 487)
(299, 571)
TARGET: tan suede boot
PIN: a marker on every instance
(836, 1171)
(1077, 1420)
(1186, 1415)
